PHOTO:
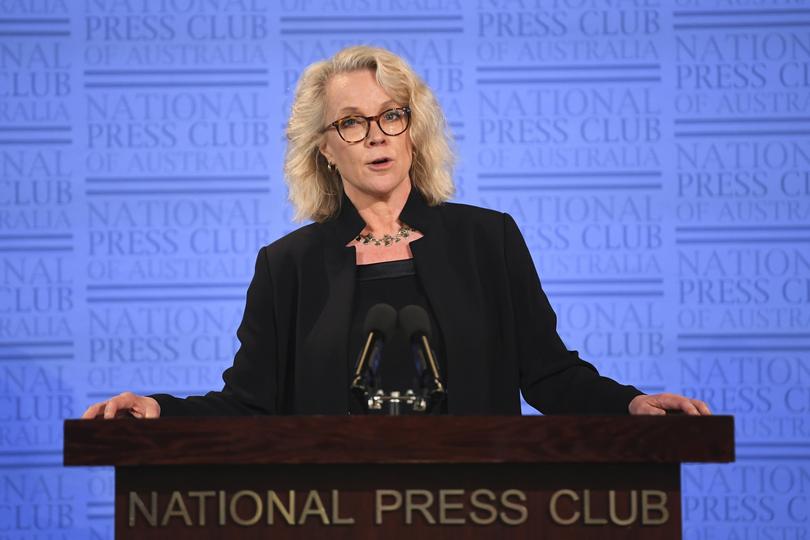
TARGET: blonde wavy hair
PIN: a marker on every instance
(316, 192)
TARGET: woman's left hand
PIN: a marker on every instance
(658, 404)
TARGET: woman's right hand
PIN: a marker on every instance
(124, 404)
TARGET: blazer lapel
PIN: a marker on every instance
(441, 267)
(322, 379)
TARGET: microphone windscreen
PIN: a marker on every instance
(415, 321)
(381, 318)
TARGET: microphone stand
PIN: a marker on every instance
(423, 401)
(366, 381)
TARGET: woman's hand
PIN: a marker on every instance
(125, 403)
(659, 404)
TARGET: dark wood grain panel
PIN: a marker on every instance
(442, 439)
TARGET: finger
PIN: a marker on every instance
(702, 407)
(652, 411)
(649, 408)
(152, 409)
(93, 410)
(687, 406)
(100, 412)
(122, 405)
(111, 409)
(127, 404)
(137, 409)
(145, 407)
(88, 413)
(678, 403)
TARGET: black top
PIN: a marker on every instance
(394, 283)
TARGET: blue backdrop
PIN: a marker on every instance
(654, 153)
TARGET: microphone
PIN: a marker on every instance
(378, 327)
(416, 324)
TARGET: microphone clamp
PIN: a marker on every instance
(395, 400)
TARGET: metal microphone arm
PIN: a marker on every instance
(434, 368)
(378, 328)
(359, 372)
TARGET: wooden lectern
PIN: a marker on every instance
(469, 477)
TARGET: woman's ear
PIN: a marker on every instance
(324, 150)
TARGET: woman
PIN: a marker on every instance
(369, 162)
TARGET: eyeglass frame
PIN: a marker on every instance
(368, 120)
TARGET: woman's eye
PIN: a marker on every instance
(348, 122)
(392, 115)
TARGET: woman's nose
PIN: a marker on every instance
(375, 135)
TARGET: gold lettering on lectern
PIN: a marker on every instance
(452, 506)
(441, 507)
(586, 508)
(522, 511)
(552, 507)
(221, 505)
(245, 507)
(660, 507)
(287, 512)
(200, 496)
(380, 504)
(422, 506)
(336, 519)
(313, 506)
(565, 510)
(477, 503)
(176, 508)
(257, 503)
(446, 506)
(614, 515)
(149, 515)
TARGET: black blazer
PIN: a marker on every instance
(498, 328)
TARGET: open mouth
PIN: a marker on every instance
(380, 161)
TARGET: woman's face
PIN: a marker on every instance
(357, 92)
